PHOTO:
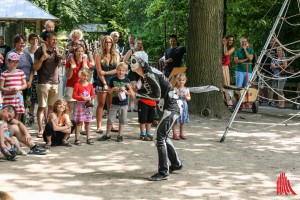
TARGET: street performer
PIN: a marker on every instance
(158, 88)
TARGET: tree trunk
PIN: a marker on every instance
(204, 47)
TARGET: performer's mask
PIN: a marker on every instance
(134, 63)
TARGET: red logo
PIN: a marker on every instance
(284, 186)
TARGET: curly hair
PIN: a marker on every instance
(61, 102)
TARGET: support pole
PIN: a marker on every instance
(256, 68)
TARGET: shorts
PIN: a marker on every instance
(99, 89)
(47, 94)
(278, 85)
(68, 94)
(146, 113)
(113, 114)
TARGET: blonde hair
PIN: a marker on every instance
(114, 33)
(84, 71)
(114, 55)
(5, 196)
(181, 76)
(122, 64)
(78, 33)
(61, 102)
(49, 22)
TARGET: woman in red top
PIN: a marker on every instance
(228, 50)
(72, 75)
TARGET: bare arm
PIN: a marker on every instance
(30, 79)
(92, 61)
(188, 95)
(38, 63)
(127, 56)
(99, 69)
(69, 72)
(53, 119)
(228, 52)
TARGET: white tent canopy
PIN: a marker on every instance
(23, 10)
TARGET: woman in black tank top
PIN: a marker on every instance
(106, 63)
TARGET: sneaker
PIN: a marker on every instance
(149, 137)
(8, 155)
(36, 150)
(21, 152)
(158, 177)
(104, 137)
(173, 168)
(119, 138)
(142, 137)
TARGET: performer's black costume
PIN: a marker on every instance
(158, 88)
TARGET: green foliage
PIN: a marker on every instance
(155, 20)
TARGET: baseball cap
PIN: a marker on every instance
(13, 56)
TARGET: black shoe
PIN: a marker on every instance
(36, 150)
(104, 137)
(174, 168)
(158, 177)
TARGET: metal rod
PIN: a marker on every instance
(253, 76)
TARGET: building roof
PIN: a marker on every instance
(23, 10)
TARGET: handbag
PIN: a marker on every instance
(288, 70)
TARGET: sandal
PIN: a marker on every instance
(89, 141)
(48, 145)
(9, 156)
(40, 135)
(99, 131)
(66, 144)
(77, 142)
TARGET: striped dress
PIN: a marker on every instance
(83, 114)
(12, 80)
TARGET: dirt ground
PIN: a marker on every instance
(245, 166)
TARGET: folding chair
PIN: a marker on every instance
(174, 73)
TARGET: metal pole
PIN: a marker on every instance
(253, 76)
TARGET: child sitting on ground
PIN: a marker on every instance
(12, 143)
(184, 96)
(84, 93)
(119, 104)
(76, 36)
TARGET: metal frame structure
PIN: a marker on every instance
(254, 73)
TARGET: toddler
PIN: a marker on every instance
(184, 96)
(49, 27)
(76, 36)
